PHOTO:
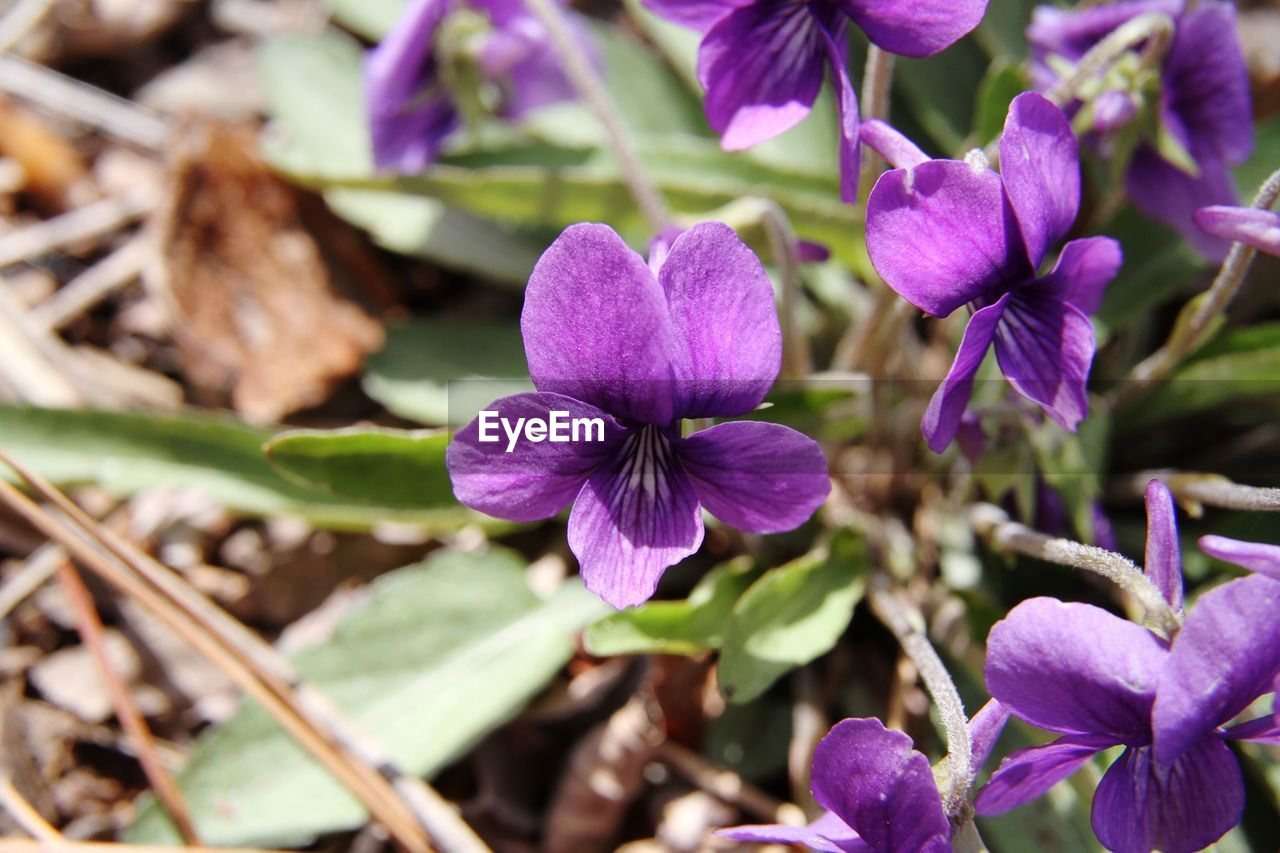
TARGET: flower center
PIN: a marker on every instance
(646, 462)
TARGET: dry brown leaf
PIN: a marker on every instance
(53, 172)
(254, 302)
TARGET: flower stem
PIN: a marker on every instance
(1196, 321)
(876, 82)
(994, 525)
(1215, 490)
(901, 620)
(589, 86)
(796, 358)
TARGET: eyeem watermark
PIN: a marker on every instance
(558, 428)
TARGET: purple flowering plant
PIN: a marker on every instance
(863, 438)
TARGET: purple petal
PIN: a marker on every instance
(596, 328)
(1206, 83)
(1071, 33)
(1140, 806)
(1261, 730)
(755, 476)
(1045, 348)
(985, 729)
(727, 342)
(828, 834)
(698, 14)
(946, 408)
(633, 519)
(519, 59)
(762, 67)
(406, 128)
(943, 234)
(1226, 656)
(1113, 110)
(1075, 669)
(1028, 773)
(873, 779)
(1166, 193)
(1040, 165)
(847, 115)
(1257, 228)
(898, 151)
(536, 479)
(1083, 271)
(1254, 556)
(1163, 561)
(918, 28)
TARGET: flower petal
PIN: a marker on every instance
(1083, 271)
(406, 129)
(943, 234)
(1075, 669)
(596, 328)
(946, 407)
(1206, 83)
(1257, 228)
(1166, 193)
(872, 778)
(1028, 773)
(535, 480)
(1261, 730)
(918, 28)
(1254, 556)
(1163, 561)
(898, 151)
(1140, 806)
(635, 517)
(828, 834)
(985, 729)
(727, 345)
(1040, 165)
(698, 14)
(847, 115)
(1045, 348)
(1226, 656)
(756, 476)
(762, 67)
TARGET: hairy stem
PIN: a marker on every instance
(589, 86)
(1188, 336)
(1194, 488)
(899, 618)
(876, 82)
(994, 525)
(1153, 28)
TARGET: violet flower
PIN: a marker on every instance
(878, 791)
(693, 335)
(412, 112)
(1202, 108)
(1249, 225)
(762, 62)
(945, 233)
(1101, 681)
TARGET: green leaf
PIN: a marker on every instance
(314, 95)
(1243, 364)
(1003, 82)
(383, 467)
(372, 19)
(675, 627)
(418, 374)
(218, 456)
(439, 655)
(792, 615)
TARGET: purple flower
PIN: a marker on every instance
(637, 348)
(879, 792)
(1202, 109)
(762, 61)
(945, 233)
(1101, 681)
(1254, 556)
(411, 112)
(1257, 228)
